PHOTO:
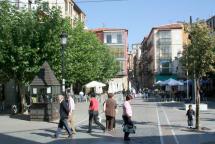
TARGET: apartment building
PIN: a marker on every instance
(211, 24)
(160, 53)
(136, 50)
(68, 8)
(117, 41)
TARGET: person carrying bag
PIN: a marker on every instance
(128, 126)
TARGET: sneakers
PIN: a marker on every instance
(70, 136)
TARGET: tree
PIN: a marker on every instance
(198, 56)
(87, 58)
(28, 38)
(19, 46)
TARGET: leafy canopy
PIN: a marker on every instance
(198, 56)
(28, 38)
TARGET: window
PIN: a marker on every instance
(119, 38)
(109, 38)
(165, 51)
(121, 65)
(164, 34)
(117, 51)
(66, 6)
(165, 66)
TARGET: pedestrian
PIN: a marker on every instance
(110, 112)
(81, 94)
(127, 114)
(93, 113)
(124, 92)
(64, 112)
(190, 114)
(71, 119)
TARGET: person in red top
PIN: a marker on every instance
(93, 113)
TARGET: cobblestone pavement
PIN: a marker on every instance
(157, 123)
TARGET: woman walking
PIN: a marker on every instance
(110, 112)
(127, 114)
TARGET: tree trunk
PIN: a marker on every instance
(21, 94)
(197, 104)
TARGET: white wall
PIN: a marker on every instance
(177, 46)
(155, 38)
(177, 42)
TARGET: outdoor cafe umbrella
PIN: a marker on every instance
(172, 82)
(159, 83)
(93, 84)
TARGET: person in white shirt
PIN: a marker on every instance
(71, 119)
(127, 114)
(81, 94)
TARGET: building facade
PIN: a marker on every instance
(160, 53)
(68, 8)
(117, 41)
(136, 50)
(211, 24)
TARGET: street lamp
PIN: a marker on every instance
(63, 42)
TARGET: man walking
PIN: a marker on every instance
(71, 119)
(94, 112)
(64, 112)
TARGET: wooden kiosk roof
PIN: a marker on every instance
(45, 77)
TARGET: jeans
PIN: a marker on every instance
(63, 123)
(127, 120)
(93, 115)
(190, 122)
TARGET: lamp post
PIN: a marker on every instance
(63, 41)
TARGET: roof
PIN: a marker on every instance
(108, 29)
(167, 27)
(170, 26)
(77, 8)
(45, 77)
(211, 18)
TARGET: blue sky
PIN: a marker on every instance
(139, 16)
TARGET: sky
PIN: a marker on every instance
(140, 16)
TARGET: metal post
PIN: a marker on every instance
(63, 75)
(63, 37)
(187, 85)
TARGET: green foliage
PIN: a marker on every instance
(18, 43)
(28, 38)
(86, 58)
(198, 56)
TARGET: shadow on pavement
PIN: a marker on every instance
(21, 117)
(43, 134)
(197, 138)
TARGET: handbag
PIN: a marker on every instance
(129, 128)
